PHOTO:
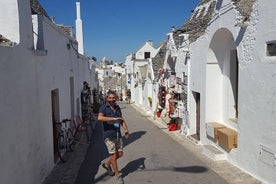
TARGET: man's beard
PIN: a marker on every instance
(112, 103)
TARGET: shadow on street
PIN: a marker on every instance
(97, 152)
(138, 165)
(133, 137)
(135, 165)
(191, 169)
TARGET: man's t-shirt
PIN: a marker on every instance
(111, 128)
(129, 93)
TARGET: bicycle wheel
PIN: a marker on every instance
(61, 145)
(70, 139)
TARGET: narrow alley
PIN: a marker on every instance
(150, 156)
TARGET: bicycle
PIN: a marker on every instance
(65, 139)
(82, 127)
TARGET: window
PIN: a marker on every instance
(147, 55)
(181, 40)
(184, 41)
(271, 49)
(185, 79)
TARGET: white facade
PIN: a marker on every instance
(146, 48)
(129, 70)
(233, 83)
(134, 62)
(10, 26)
(119, 68)
(136, 82)
(36, 84)
(149, 90)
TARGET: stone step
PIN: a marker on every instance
(213, 153)
(193, 140)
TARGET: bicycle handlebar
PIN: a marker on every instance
(66, 120)
(63, 121)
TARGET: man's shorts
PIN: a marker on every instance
(114, 145)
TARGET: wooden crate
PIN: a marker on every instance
(227, 138)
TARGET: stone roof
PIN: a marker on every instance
(4, 41)
(143, 72)
(158, 62)
(200, 19)
(110, 82)
(244, 7)
(68, 29)
(113, 82)
(37, 8)
(196, 25)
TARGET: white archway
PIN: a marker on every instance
(222, 79)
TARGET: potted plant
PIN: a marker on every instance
(150, 101)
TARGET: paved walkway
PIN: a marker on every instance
(150, 157)
(226, 170)
(66, 173)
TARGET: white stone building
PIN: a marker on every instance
(136, 69)
(224, 56)
(232, 82)
(112, 77)
(41, 79)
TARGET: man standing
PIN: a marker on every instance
(111, 116)
(85, 101)
(128, 96)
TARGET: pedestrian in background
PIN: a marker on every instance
(128, 96)
(85, 102)
(111, 116)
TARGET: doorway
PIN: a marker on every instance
(234, 79)
(197, 116)
(55, 118)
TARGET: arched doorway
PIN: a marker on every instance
(222, 79)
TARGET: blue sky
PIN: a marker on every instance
(116, 28)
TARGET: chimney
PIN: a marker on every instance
(150, 42)
(172, 29)
(79, 33)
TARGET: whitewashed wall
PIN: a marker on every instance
(137, 94)
(27, 79)
(149, 90)
(201, 55)
(147, 47)
(129, 70)
(10, 26)
(257, 87)
(132, 67)
(257, 93)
